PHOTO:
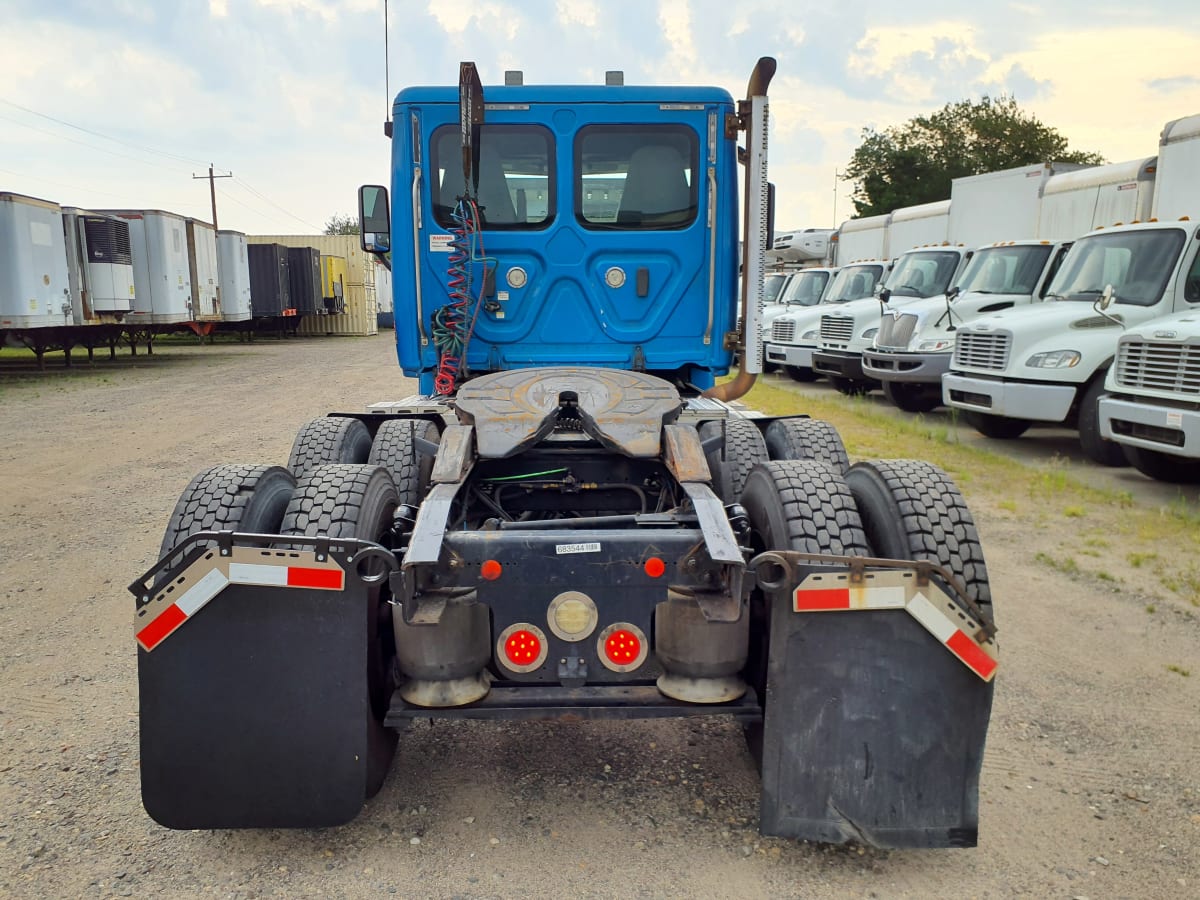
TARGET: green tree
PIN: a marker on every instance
(340, 224)
(915, 162)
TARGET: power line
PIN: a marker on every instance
(63, 137)
(267, 199)
(107, 137)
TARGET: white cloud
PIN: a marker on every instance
(218, 9)
(496, 19)
(570, 13)
(675, 17)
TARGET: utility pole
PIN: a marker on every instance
(212, 190)
(836, 176)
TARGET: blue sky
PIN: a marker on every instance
(289, 94)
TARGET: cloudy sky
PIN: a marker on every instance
(118, 103)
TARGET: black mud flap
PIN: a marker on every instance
(873, 733)
(254, 708)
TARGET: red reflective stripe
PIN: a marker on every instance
(162, 625)
(966, 650)
(827, 598)
(314, 578)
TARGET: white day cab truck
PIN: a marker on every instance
(1047, 363)
(792, 336)
(915, 341)
(804, 290)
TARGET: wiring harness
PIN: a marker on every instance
(454, 323)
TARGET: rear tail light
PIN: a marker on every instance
(522, 647)
(622, 647)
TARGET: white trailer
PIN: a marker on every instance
(1178, 170)
(202, 271)
(862, 239)
(919, 226)
(162, 282)
(99, 267)
(807, 245)
(234, 268)
(34, 286)
(1074, 203)
(1000, 206)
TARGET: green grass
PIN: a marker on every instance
(1179, 670)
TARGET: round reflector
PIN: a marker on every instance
(655, 567)
(490, 570)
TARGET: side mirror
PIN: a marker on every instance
(884, 294)
(953, 292)
(1106, 296)
(374, 219)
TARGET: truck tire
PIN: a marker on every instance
(801, 505)
(1163, 466)
(801, 374)
(395, 448)
(912, 510)
(357, 501)
(851, 387)
(913, 398)
(797, 438)
(333, 439)
(1095, 446)
(1001, 428)
(230, 498)
(744, 449)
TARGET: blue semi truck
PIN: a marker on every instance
(573, 517)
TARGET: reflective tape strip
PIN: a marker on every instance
(975, 657)
(810, 599)
(161, 626)
(287, 576)
(191, 600)
(202, 591)
(268, 576)
(932, 618)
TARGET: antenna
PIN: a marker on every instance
(387, 75)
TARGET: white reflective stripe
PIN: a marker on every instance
(201, 592)
(935, 621)
(884, 597)
(245, 573)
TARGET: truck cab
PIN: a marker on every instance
(804, 290)
(792, 336)
(913, 346)
(1047, 362)
(920, 274)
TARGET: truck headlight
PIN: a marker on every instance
(810, 335)
(935, 345)
(1054, 359)
(870, 333)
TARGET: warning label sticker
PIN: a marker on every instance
(440, 243)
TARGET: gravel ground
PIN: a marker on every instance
(1090, 784)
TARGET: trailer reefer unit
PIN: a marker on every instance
(234, 267)
(161, 267)
(34, 290)
(563, 524)
(99, 266)
(203, 272)
(304, 280)
(270, 284)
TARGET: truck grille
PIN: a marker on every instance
(836, 328)
(783, 331)
(982, 350)
(896, 331)
(1163, 367)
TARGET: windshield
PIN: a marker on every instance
(1005, 270)
(772, 286)
(805, 288)
(1136, 263)
(854, 283)
(923, 274)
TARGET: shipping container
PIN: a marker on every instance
(269, 283)
(304, 278)
(34, 289)
(234, 268)
(360, 316)
(334, 275)
(99, 266)
(202, 269)
(161, 271)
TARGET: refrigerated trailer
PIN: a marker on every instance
(161, 267)
(234, 267)
(34, 290)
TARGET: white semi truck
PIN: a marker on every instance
(803, 290)
(792, 337)
(1047, 362)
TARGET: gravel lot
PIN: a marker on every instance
(1090, 784)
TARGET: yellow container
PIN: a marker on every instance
(361, 312)
(334, 276)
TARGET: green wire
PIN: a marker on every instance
(526, 475)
